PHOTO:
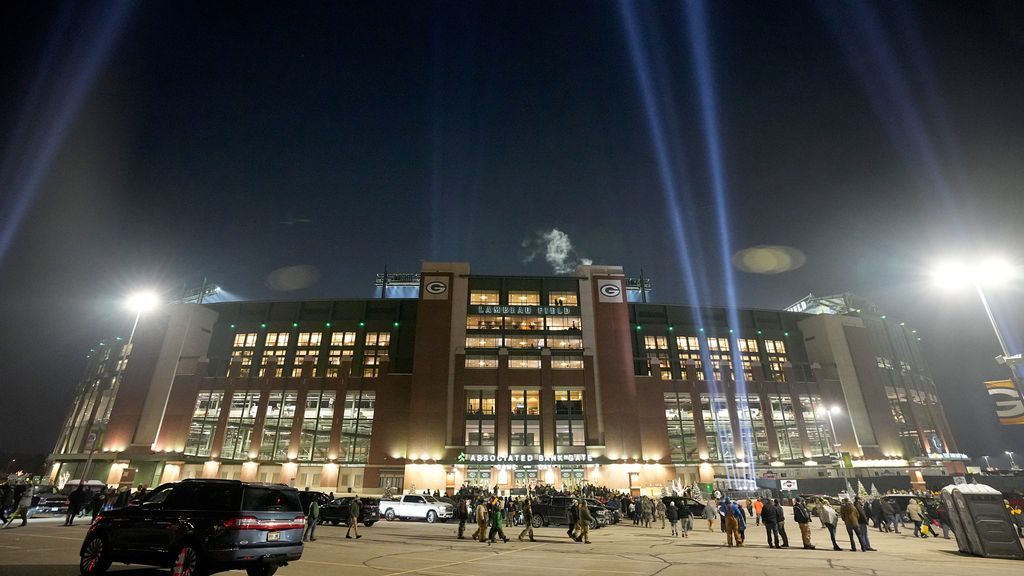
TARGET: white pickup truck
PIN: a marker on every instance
(416, 506)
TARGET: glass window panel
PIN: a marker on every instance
(485, 297)
(563, 299)
(523, 298)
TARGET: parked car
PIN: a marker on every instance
(201, 526)
(416, 506)
(307, 496)
(685, 502)
(337, 512)
(550, 510)
(49, 503)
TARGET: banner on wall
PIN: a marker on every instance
(1009, 404)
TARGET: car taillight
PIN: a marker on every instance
(254, 523)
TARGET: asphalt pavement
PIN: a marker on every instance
(45, 548)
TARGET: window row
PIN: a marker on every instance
(550, 323)
(522, 298)
(305, 339)
(525, 362)
(525, 421)
(282, 407)
(714, 413)
(554, 342)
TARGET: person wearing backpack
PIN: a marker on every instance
(802, 517)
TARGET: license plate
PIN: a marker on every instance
(273, 536)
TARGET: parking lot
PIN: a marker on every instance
(45, 547)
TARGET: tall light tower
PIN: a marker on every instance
(990, 273)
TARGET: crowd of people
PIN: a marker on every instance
(16, 501)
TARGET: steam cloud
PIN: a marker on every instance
(557, 250)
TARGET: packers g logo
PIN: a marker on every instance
(610, 290)
(436, 288)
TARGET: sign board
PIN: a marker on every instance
(958, 480)
(609, 290)
(526, 310)
(435, 288)
(1009, 405)
(787, 485)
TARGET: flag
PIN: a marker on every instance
(1009, 406)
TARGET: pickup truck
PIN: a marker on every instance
(416, 506)
(555, 510)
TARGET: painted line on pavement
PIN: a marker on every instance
(46, 536)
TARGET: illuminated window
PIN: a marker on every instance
(357, 426)
(563, 299)
(524, 323)
(308, 346)
(717, 426)
(682, 432)
(474, 322)
(343, 339)
(657, 351)
(334, 358)
(689, 350)
(241, 418)
(378, 339)
(525, 418)
(309, 339)
(315, 434)
(565, 342)
(569, 422)
(278, 355)
(816, 425)
(481, 361)
(244, 351)
(277, 428)
(524, 342)
(480, 418)
(776, 351)
(524, 362)
(564, 323)
(484, 297)
(375, 352)
(523, 298)
(752, 426)
(204, 423)
(483, 342)
(786, 431)
(277, 339)
(245, 340)
(566, 363)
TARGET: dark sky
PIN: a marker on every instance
(152, 143)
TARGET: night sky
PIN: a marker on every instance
(153, 143)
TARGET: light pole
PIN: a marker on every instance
(992, 272)
(1013, 465)
(987, 465)
(835, 409)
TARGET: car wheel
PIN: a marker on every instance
(261, 570)
(335, 522)
(537, 521)
(367, 524)
(95, 557)
(187, 562)
(431, 516)
(390, 514)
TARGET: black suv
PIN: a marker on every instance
(337, 512)
(201, 526)
(555, 510)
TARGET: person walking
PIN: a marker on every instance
(889, 520)
(711, 514)
(497, 514)
(780, 515)
(462, 514)
(660, 512)
(76, 500)
(829, 519)
(24, 503)
(481, 521)
(852, 521)
(944, 521)
(685, 521)
(584, 523)
(355, 507)
(527, 520)
(96, 502)
(862, 525)
(312, 518)
(672, 513)
(771, 524)
(731, 515)
(574, 519)
(916, 516)
(802, 517)
(648, 512)
(758, 508)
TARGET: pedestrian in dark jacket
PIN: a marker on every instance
(527, 520)
(574, 518)
(802, 517)
(944, 520)
(672, 514)
(462, 514)
(75, 502)
(863, 525)
(852, 521)
(771, 523)
(96, 502)
(780, 516)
